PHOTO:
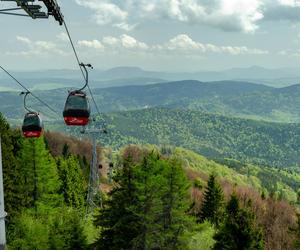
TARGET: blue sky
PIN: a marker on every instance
(165, 35)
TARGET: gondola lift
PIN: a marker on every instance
(32, 124)
(77, 108)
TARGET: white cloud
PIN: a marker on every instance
(45, 45)
(37, 48)
(95, 44)
(105, 12)
(110, 40)
(63, 37)
(23, 39)
(184, 43)
(179, 44)
(124, 41)
(228, 15)
(290, 3)
(225, 14)
(131, 43)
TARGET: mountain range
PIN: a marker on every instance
(231, 98)
(122, 76)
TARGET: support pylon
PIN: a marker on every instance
(2, 212)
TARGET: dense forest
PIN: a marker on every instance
(160, 198)
(214, 136)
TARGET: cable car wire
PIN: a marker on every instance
(24, 87)
(84, 77)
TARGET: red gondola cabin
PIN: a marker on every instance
(77, 109)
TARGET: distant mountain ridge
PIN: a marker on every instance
(242, 99)
(123, 76)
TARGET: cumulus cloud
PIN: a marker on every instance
(124, 41)
(62, 37)
(288, 10)
(228, 15)
(179, 44)
(183, 42)
(131, 43)
(105, 12)
(95, 44)
(37, 48)
(23, 39)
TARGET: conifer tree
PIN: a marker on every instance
(39, 175)
(66, 151)
(239, 230)
(212, 207)
(13, 189)
(150, 190)
(175, 204)
(147, 206)
(66, 231)
(73, 186)
(119, 224)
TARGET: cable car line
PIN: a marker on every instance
(27, 90)
(9, 12)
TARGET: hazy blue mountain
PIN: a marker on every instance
(54, 83)
(122, 76)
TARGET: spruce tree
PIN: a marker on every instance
(13, 189)
(146, 209)
(66, 151)
(212, 207)
(39, 175)
(119, 224)
(175, 204)
(73, 186)
(67, 231)
(150, 189)
(239, 230)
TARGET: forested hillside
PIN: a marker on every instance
(227, 97)
(167, 198)
(214, 136)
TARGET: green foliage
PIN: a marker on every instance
(211, 135)
(39, 175)
(73, 186)
(202, 238)
(67, 231)
(212, 206)
(239, 230)
(61, 230)
(29, 233)
(147, 207)
(10, 142)
(38, 217)
(119, 225)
